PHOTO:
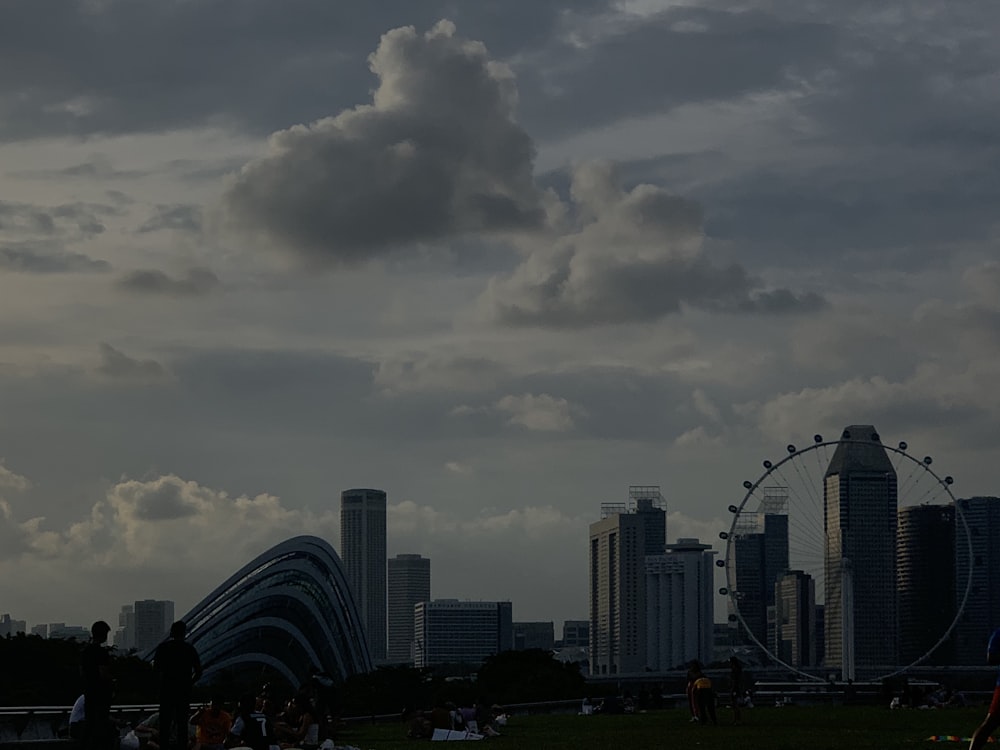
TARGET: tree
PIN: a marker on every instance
(528, 676)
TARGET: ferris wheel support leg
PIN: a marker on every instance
(847, 608)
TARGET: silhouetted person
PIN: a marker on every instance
(95, 665)
(735, 686)
(982, 734)
(177, 663)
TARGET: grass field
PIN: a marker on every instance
(791, 728)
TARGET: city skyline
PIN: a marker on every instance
(500, 260)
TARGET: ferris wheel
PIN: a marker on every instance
(832, 550)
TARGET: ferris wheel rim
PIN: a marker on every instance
(793, 453)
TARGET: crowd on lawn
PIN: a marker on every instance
(257, 722)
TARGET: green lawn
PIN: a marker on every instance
(790, 728)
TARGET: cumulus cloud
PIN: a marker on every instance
(627, 256)
(11, 481)
(140, 525)
(116, 365)
(436, 154)
(195, 283)
(933, 394)
(543, 413)
(538, 413)
(176, 538)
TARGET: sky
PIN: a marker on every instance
(501, 258)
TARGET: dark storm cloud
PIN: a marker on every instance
(634, 255)
(181, 217)
(436, 154)
(116, 365)
(165, 502)
(197, 282)
(40, 256)
(123, 67)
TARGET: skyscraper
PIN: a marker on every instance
(761, 557)
(859, 519)
(363, 551)
(795, 619)
(679, 605)
(982, 610)
(409, 584)
(925, 565)
(152, 620)
(124, 638)
(619, 544)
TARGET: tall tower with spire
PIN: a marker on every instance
(859, 518)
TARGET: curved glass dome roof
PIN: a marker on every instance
(290, 609)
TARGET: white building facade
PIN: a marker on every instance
(409, 584)
(680, 606)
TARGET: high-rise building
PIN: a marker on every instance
(124, 638)
(529, 635)
(795, 619)
(10, 626)
(679, 605)
(760, 548)
(449, 631)
(363, 551)
(981, 613)
(152, 619)
(925, 567)
(859, 519)
(576, 634)
(619, 544)
(409, 584)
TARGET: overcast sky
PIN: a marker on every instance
(501, 258)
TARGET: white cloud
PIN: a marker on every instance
(11, 481)
(540, 412)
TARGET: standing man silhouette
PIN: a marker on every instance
(179, 667)
(95, 665)
(982, 734)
